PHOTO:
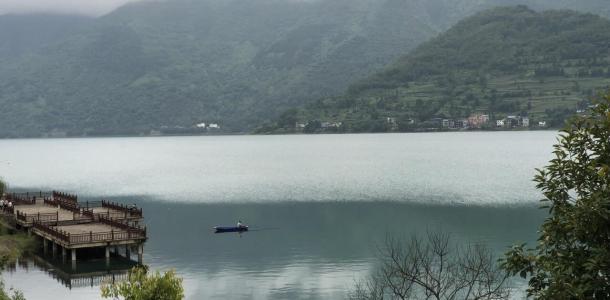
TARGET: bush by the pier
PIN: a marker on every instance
(143, 285)
(572, 258)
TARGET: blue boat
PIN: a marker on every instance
(220, 229)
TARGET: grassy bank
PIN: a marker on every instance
(14, 244)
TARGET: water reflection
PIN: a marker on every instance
(294, 250)
(85, 273)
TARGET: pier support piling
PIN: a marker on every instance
(140, 253)
(107, 252)
(63, 253)
(53, 249)
(45, 246)
(73, 254)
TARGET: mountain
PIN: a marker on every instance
(167, 65)
(20, 34)
(504, 61)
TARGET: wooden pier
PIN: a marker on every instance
(66, 225)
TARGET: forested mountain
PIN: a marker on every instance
(171, 64)
(21, 34)
(504, 61)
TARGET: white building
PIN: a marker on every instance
(200, 125)
(542, 124)
(500, 123)
(525, 122)
(214, 126)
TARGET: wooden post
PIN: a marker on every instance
(112, 233)
(90, 236)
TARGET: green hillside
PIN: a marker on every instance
(504, 61)
(166, 65)
(171, 64)
(20, 34)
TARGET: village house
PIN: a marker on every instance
(478, 120)
(525, 122)
(392, 122)
(331, 124)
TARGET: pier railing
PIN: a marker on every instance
(125, 232)
(64, 196)
(28, 195)
(131, 210)
(38, 217)
(65, 204)
(21, 199)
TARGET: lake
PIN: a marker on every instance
(319, 205)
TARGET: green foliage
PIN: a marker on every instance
(572, 257)
(503, 61)
(142, 285)
(16, 295)
(11, 247)
(3, 187)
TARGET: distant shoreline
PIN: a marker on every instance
(268, 134)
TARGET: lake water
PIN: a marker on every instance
(320, 205)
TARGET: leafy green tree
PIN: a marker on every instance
(144, 286)
(3, 187)
(572, 257)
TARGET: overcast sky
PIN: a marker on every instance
(84, 7)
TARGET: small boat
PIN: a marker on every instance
(220, 229)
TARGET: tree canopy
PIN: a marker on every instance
(142, 285)
(572, 257)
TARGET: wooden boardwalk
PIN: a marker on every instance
(63, 222)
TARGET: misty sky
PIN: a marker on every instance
(84, 7)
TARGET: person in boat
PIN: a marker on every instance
(240, 224)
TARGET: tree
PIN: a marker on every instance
(144, 286)
(3, 187)
(434, 269)
(572, 257)
(288, 119)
